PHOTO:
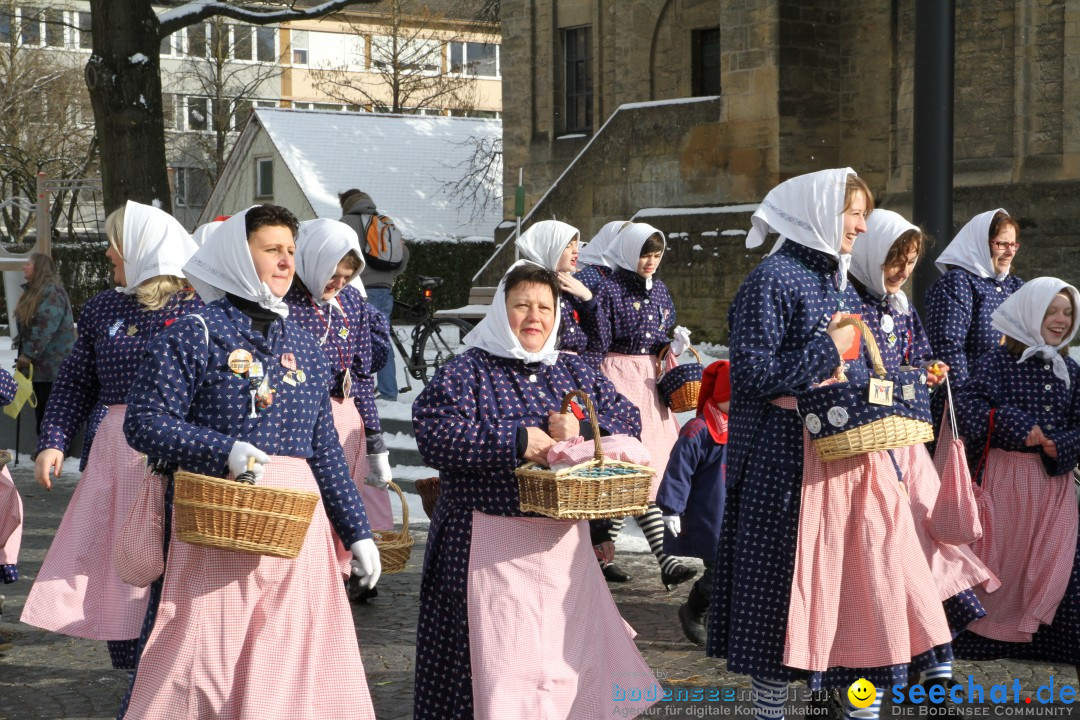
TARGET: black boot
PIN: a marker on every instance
(358, 594)
(693, 624)
(678, 575)
(613, 573)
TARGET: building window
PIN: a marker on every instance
(577, 43)
(474, 59)
(196, 40)
(30, 25)
(264, 177)
(299, 44)
(168, 110)
(85, 41)
(198, 112)
(705, 62)
(192, 187)
(54, 28)
(242, 41)
(266, 44)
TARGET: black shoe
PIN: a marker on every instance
(693, 624)
(678, 575)
(6, 642)
(614, 573)
(358, 594)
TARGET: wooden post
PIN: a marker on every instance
(43, 216)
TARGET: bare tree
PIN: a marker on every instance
(479, 184)
(408, 68)
(44, 116)
(225, 91)
(124, 79)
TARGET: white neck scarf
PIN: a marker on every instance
(625, 249)
(807, 210)
(320, 245)
(1021, 316)
(493, 334)
(594, 251)
(883, 227)
(154, 243)
(970, 249)
(223, 265)
(543, 243)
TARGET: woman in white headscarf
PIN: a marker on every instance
(356, 339)
(776, 613)
(554, 245)
(77, 591)
(512, 603)
(593, 265)
(249, 635)
(634, 317)
(881, 262)
(977, 267)
(1022, 405)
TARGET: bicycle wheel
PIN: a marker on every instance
(440, 341)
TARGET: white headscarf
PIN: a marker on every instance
(593, 253)
(204, 231)
(154, 243)
(970, 249)
(493, 333)
(544, 242)
(1021, 316)
(870, 251)
(224, 265)
(320, 245)
(807, 210)
(625, 249)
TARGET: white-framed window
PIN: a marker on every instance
(54, 27)
(242, 47)
(266, 44)
(192, 187)
(30, 26)
(168, 110)
(264, 177)
(336, 51)
(475, 59)
(197, 40)
(423, 55)
(299, 44)
(83, 32)
(197, 113)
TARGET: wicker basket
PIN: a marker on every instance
(680, 386)
(428, 489)
(906, 421)
(252, 519)
(599, 488)
(395, 546)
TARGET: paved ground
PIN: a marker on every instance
(50, 676)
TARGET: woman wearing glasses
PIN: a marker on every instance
(976, 280)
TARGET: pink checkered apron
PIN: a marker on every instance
(546, 640)
(635, 377)
(350, 427)
(854, 555)
(248, 637)
(1029, 541)
(77, 591)
(955, 567)
(11, 517)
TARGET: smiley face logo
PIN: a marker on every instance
(862, 693)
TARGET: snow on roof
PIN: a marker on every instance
(404, 162)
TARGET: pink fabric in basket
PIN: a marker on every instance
(567, 453)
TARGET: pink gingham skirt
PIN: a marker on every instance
(856, 556)
(634, 376)
(955, 567)
(77, 591)
(545, 637)
(1029, 541)
(350, 427)
(11, 517)
(248, 637)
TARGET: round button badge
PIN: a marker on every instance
(838, 416)
(813, 423)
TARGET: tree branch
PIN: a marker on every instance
(190, 13)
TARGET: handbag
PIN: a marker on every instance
(954, 519)
(852, 417)
(23, 395)
(139, 552)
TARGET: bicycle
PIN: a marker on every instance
(434, 340)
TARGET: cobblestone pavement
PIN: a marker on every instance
(47, 676)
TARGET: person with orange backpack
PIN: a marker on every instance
(385, 257)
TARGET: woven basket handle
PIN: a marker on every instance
(868, 338)
(404, 506)
(663, 354)
(598, 452)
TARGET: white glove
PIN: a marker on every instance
(366, 563)
(239, 455)
(681, 341)
(379, 474)
(673, 523)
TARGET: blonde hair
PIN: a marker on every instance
(44, 276)
(352, 260)
(154, 293)
(856, 184)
